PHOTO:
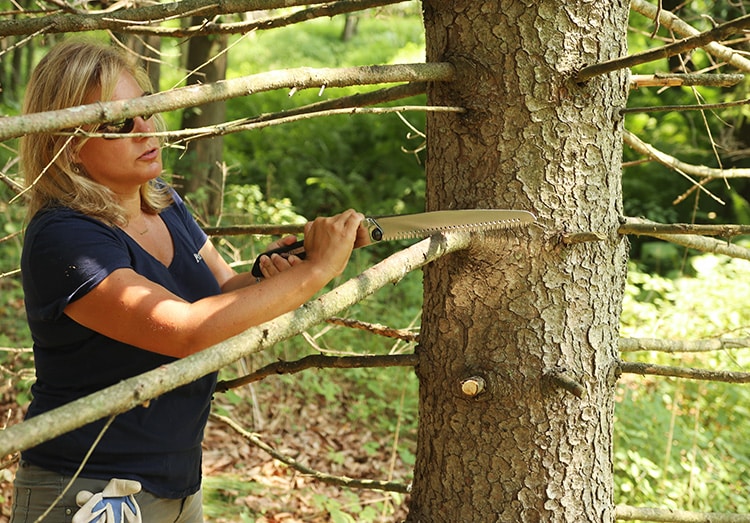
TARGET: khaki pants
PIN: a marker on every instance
(36, 488)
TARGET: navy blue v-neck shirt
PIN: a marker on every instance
(65, 255)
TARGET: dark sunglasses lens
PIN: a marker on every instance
(123, 127)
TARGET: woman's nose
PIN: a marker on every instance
(143, 124)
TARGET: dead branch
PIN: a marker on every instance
(627, 513)
(673, 163)
(260, 230)
(14, 272)
(237, 126)
(674, 346)
(691, 107)
(342, 481)
(724, 376)
(319, 361)
(388, 94)
(674, 23)
(639, 226)
(195, 95)
(686, 79)
(681, 46)
(136, 391)
(131, 18)
(303, 15)
(380, 330)
(699, 243)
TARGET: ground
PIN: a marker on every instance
(244, 484)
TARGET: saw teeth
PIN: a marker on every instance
(473, 227)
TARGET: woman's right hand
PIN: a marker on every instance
(329, 241)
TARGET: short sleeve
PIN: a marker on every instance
(65, 255)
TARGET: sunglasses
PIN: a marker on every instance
(124, 127)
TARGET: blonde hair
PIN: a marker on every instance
(64, 78)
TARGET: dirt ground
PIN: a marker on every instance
(243, 483)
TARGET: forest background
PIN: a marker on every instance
(678, 444)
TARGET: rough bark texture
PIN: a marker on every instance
(536, 319)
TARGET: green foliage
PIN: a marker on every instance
(680, 443)
(327, 164)
(656, 192)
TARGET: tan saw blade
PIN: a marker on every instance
(405, 226)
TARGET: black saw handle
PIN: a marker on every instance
(297, 248)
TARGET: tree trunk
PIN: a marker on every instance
(532, 317)
(201, 163)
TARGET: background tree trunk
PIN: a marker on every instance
(522, 306)
(201, 163)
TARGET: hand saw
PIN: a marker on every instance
(421, 225)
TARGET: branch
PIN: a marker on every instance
(686, 79)
(379, 96)
(303, 15)
(195, 95)
(261, 230)
(627, 513)
(631, 367)
(673, 163)
(681, 46)
(639, 226)
(673, 23)
(319, 361)
(636, 226)
(661, 345)
(341, 481)
(126, 18)
(245, 125)
(380, 330)
(693, 107)
(138, 390)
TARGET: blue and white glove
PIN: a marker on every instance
(115, 504)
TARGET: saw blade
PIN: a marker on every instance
(420, 225)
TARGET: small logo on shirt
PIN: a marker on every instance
(198, 257)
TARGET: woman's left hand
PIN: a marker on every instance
(275, 264)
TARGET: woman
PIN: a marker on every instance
(119, 280)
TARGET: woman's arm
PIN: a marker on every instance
(130, 308)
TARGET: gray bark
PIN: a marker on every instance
(536, 320)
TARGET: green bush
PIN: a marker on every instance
(681, 443)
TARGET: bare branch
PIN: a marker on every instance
(674, 23)
(380, 330)
(261, 230)
(693, 107)
(627, 513)
(699, 243)
(122, 19)
(639, 226)
(237, 126)
(686, 79)
(674, 346)
(724, 376)
(138, 390)
(673, 163)
(342, 481)
(191, 96)
(319, 361)
(681, 46)
(209, 28)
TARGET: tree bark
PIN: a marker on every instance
(532, 321)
